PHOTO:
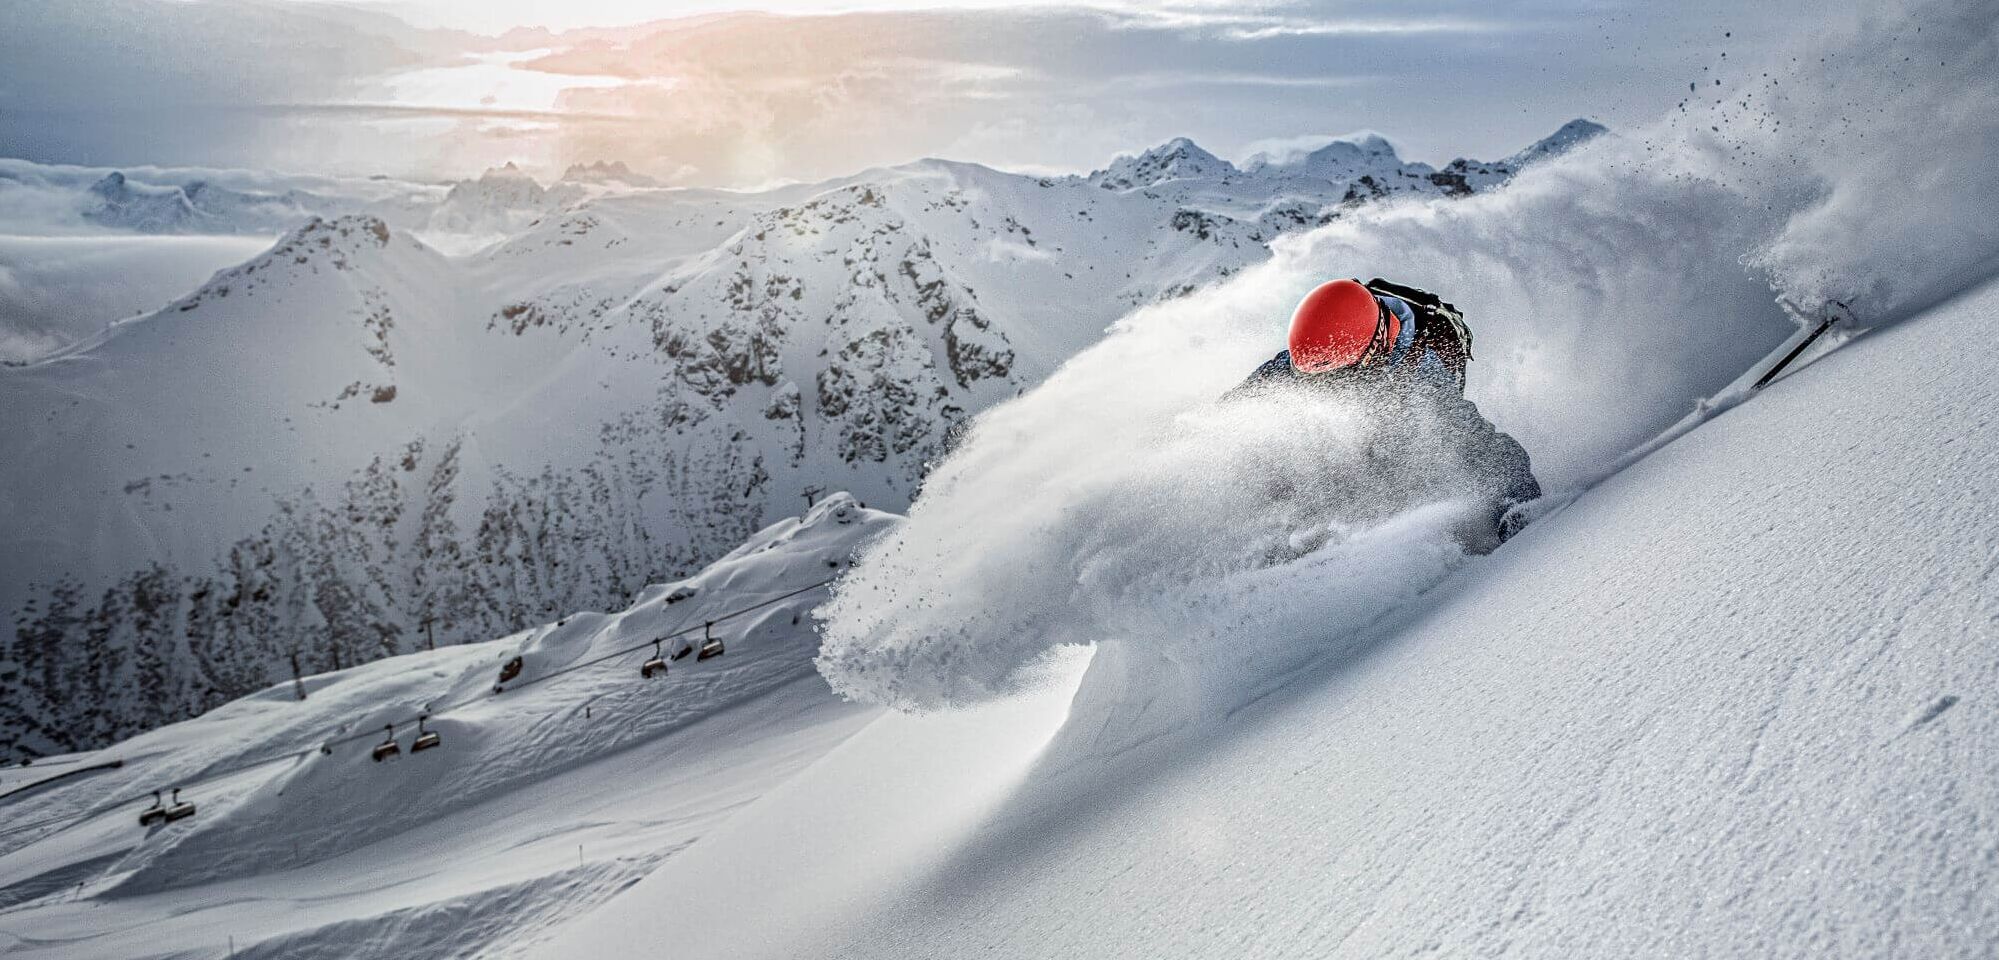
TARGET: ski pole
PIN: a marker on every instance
(1831, 316)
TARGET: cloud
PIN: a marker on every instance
(1236, 24)
(55, 291)
(744, 98)
(1156, 80)
(1280, 151)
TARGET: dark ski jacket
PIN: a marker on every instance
(1416, 386)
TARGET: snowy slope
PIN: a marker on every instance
(1724, 703)
(1721, 699)
(352, 433)
(56, 291)
(1750, 723)
(540, 800)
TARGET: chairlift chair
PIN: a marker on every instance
(179, 809)
(387, 748)
(157, 813)
(425, 739)
(655, 667)
(711, 645)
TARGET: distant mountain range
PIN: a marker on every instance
(353, 444)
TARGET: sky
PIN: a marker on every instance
(714, 93)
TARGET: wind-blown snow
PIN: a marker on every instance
(1610, 288)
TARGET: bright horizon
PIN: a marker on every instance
(710, 93)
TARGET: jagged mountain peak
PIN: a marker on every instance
(1177, 159)
(1355, 155)
(354, 231)
(606, 171)
(1346, 157)
(1565, 138)
(341, 243)
(505, 199)
(505, 171)
(110, 183)
(118, 201)
(1361, 143)
(506, 178)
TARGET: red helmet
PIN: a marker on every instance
(1340, 325)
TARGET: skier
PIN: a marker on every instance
(1401, 352)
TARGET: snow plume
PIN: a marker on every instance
(1898, 128)
(1204, 524)
(1207, 548)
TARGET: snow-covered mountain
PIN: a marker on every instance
(353, 443)
(1176, 159)
(503, 200)
(1724, 696)
(1569, 136)
(607, 172)
(197, 206)
(1372, 168)
(166, 200)
(722, 729)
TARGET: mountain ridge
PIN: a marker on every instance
(302, 456)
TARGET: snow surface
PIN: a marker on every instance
(1731, 702)
(1722, 698)
(1550, 715)
(57, 291)
(540, 801)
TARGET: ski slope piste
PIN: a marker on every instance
(1728, 695)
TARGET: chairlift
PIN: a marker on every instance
(711, 645)
(157, 813)
(655, 666)
(387, 748)
(425, 739)
(179, 809)
(508, 671)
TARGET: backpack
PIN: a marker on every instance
(1440, 327)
